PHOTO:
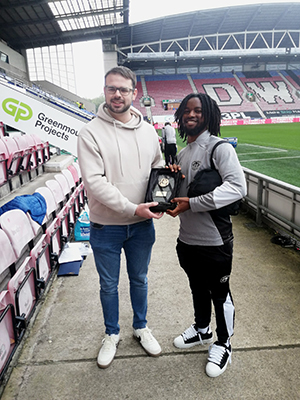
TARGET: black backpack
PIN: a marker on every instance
(206, 180)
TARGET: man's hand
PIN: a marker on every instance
(175, 168)
(143, 210)
(182, 205)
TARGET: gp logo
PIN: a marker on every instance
(17, 109)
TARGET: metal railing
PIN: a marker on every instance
(275, 203)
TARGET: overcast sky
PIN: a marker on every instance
(88, 60)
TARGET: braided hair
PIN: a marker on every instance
(210, 112)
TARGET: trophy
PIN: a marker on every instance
(163, 186)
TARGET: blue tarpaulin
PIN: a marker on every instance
(35, 204)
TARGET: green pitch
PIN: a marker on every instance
(272, 150)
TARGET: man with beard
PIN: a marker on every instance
(116, 151)
(205, 243)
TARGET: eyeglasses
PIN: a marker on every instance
(123, 90)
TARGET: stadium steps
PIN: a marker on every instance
(244, 96)
(193, 86)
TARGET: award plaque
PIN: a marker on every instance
(163, 186)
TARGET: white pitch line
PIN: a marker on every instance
(268, 159)
(263, 152)
(261, 147)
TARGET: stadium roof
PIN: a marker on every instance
(242, 29)
(38, 23)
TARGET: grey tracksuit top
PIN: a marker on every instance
(197, 225)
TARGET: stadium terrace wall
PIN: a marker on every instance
(241, 96)
(246, 121)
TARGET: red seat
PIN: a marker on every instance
(57, 191)
(18, 229)
(53, 237)
(41, 262)
(3, 163)
(7, 259)
(51, 204)
(23, 145)
(8, 332)
(15, 156)
(22, 288)
(32, 145)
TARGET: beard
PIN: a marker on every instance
(118, 110)
(195, 131)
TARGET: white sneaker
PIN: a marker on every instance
(191, 337)
(147, 341)
(219, 355)
(108, 350)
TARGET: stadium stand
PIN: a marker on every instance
(272, 92)
(252, 94)
(31, 249)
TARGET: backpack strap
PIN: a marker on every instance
(212, 165)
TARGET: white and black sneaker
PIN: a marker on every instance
(147, 341)
(218, 357)
(108, 350)
(191, 337)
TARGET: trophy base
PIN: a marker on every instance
(162, 207)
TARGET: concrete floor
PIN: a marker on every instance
(57, 359)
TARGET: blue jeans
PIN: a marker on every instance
(107, 242)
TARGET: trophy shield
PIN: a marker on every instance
(163, 186)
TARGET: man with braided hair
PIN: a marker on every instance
(205, 243)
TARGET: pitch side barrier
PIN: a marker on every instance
(273, 202)
(259, 121)
(244, 121)
(33, 116)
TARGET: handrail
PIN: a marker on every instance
(274, 202)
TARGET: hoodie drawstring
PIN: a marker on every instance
(119, 150)
(138, 149)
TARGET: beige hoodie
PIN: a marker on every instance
(115, 161)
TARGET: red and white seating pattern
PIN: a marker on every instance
(276, 92)
(30, 255)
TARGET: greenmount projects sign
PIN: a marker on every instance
(29, 115)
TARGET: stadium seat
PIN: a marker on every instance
(77, 167)
(7, 260)
(19, 231)
(8, 331)
(3, 163)
(32, 145)
(39, 149)
(23, 292)
(36, 227)
(52, 205)
(53, 238)
(64, 184)
(57, 192)
(2, 132)
(74, 173)
(44, 155)
(41, 262)
(66, 226)
(22, 145)
(69, 176)
(15, 156)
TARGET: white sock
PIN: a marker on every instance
(203, 330)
